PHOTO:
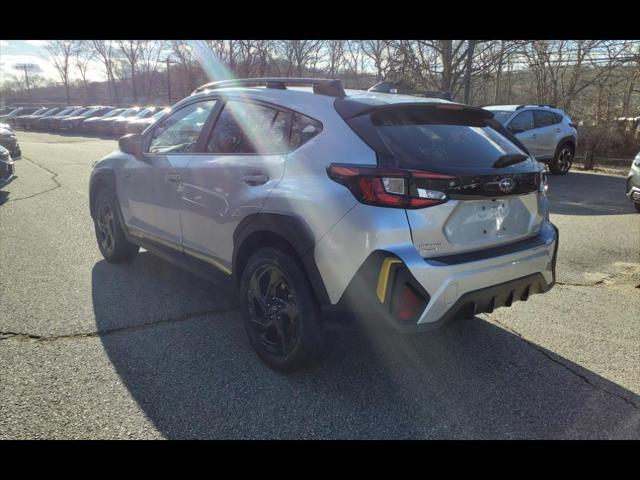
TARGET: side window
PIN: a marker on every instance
(543, 119)
(303, 129)
(522, 122)
(178, 133)
(248, 128)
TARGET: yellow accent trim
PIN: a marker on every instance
(207, 259)
(188, 251)
(383, 277)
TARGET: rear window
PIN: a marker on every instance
(545, 119)
(443, 141)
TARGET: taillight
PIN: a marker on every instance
(392, 187)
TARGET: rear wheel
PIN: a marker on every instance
(562, 160)
(280, 313)
(112, 241)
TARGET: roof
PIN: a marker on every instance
(303, 100)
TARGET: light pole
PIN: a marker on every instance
(169, 61)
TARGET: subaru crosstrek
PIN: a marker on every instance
(548, 132)
(322, 206)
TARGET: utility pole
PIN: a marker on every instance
(168, 81)
(26, 76)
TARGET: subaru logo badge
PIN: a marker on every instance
(506, 185)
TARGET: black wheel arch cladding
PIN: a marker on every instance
(262, 228)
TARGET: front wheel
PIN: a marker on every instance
(562, 160)
(280, 313)
(112, 241)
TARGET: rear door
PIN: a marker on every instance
(546, 133)
(244, 160)
(523, 127)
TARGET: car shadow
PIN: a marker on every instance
(581, 193)
(195, 376)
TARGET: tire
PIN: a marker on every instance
(291, 336)
(112, 242)
(637, 205)
(562, 160)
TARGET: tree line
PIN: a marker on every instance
(593, 80)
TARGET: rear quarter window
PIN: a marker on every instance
(303, 129)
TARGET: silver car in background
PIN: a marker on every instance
(633, 182)
(548, 132)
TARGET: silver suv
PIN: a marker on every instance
(633, 182)
(324, 207)
(548, 132)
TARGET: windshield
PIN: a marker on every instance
(143, 113)
(113, 113)
(129, 113)
(502, 115)
(160, 113)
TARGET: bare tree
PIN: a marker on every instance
(106, 51)
(378, 52)
(131, 50)
(334, 56)
(61, 52)
(83, 55)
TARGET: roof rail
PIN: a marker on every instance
(536, 105)
(321, 86)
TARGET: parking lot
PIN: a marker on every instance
(94, 350)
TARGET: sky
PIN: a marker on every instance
(13, 52)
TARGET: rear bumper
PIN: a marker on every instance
(451, 286)
(7, 172)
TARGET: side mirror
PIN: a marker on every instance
(131, 144)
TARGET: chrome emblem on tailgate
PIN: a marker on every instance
(506, 185)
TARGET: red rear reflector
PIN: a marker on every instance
(409, 303)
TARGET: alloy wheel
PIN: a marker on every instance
(273, 310)
(105, 222)
(565, 158)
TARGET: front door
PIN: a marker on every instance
(152, 185)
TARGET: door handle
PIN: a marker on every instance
(172, 177)
(256, 179)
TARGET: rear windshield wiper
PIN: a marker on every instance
(510, 159)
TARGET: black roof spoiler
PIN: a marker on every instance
(321, 86)
(353, 107)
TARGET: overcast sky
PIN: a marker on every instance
(13, 52)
